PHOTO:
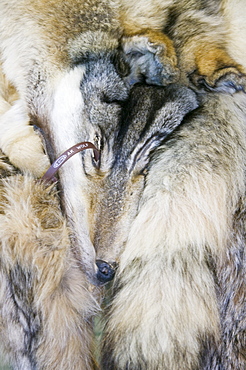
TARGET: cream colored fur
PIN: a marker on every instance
(234, 12)
(40, 44)
(45, 48)
(166, 306)
(18, 139)
(46, 304)
(194, 186)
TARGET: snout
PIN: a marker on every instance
(105, 271)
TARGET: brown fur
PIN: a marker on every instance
(178, 235)
(177, 292)
(46, 305)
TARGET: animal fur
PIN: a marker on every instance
(51, 51)
(187, 36)
(180, 280)
(179, 296)
(46, 305)
(18, 140)
(233, 13)
(47, 49)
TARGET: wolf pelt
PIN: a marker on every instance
(178, 300)
(71, 80)
(46, 303)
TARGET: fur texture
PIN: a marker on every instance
(235, 24)
(174, 219)
(190, 35)
(46, 305)
(18, 140)
(48, 50)
(178, 300)
(63, 57)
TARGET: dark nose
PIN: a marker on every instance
(105, 271)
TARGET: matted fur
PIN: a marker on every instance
(46, 305)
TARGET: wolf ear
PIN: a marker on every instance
(140, 157)
(177, 102)
(151, 57)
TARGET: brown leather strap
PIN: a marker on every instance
(49, 175)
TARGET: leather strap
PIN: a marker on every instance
(49, 174)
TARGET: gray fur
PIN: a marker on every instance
(170, 213)
(46, 304)
(47, 48)
(48, 52)
(178, 299)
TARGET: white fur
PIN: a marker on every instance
(67, 109)
(43, 289)
(38, 44)
(234, 12)
(18, 139)
(166, 301)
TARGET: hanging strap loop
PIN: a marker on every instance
(49, 174)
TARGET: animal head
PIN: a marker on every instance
(83, 98)
(114, 187)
